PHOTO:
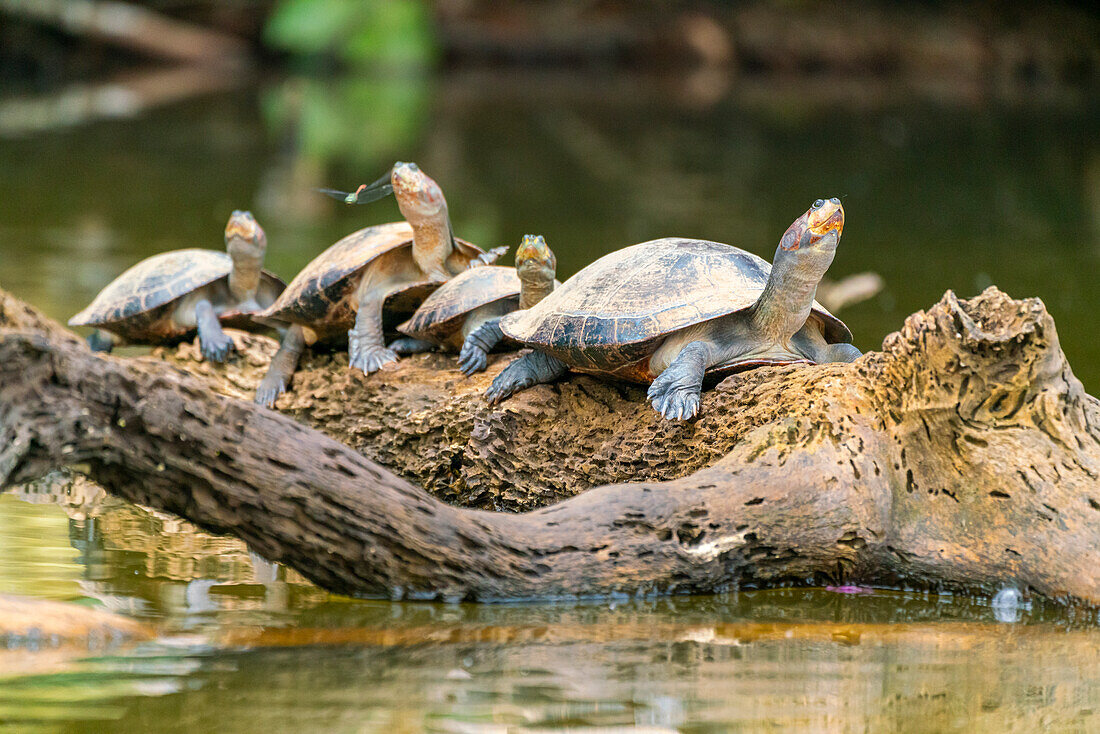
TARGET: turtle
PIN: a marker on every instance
(672, 311)
(370, 280)
(463, 314)
(168, 297)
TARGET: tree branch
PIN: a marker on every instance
(965, 455)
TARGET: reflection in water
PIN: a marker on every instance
(137, 561)
(941, 193)
(684, 664)
(37, 558)
(248, 647)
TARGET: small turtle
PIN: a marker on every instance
(169, 296)
(463, 313)
(371, 280)
(672, 311)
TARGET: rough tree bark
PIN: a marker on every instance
(964, 455)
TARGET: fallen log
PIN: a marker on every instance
(963, 456)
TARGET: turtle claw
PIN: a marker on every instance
(217, 348)
(372, 358)
(268, 392)
(531, 369)
(472, 359)
(498, 392)
(512, 379)
(672, 400)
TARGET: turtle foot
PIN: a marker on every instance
(472, 359)
(513, 378)
(502, 389)
(534, 368)
(268, 392)
(672, 400)
(373, 358)
(217, 348)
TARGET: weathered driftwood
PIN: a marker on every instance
(964, 455)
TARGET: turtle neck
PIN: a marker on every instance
(534, 288)
(432, 244)
(244, 278)
(783, 307)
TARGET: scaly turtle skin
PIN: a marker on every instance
(370, 281)
(168, 297)
(463, 313)
(672, 311)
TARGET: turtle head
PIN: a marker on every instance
(536, 267)
(418, 196)
(244, 236)
(818, 230)
(534, 259)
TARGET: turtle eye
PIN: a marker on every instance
(819, 203)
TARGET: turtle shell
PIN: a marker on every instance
(322, 295)
(441, 314)
(133, 302)
(616, 310)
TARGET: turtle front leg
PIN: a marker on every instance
(475, 350)
(676, 392)
(366, 342)
(103, 341)
(282, 367)
(214, 343)
(531, 369)
(408, 345)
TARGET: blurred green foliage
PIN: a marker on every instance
(355, 32)
(358, 121)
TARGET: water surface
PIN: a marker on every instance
(249, 647)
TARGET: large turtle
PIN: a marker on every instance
(169, 296)
(672, 311)
(463, 313)
(370, 280)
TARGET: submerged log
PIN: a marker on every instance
(964, 456)
(29, 623)
(38, 636)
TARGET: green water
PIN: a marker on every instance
(251, 648)
(947, 193)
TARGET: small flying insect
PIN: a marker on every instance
(366, 193)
